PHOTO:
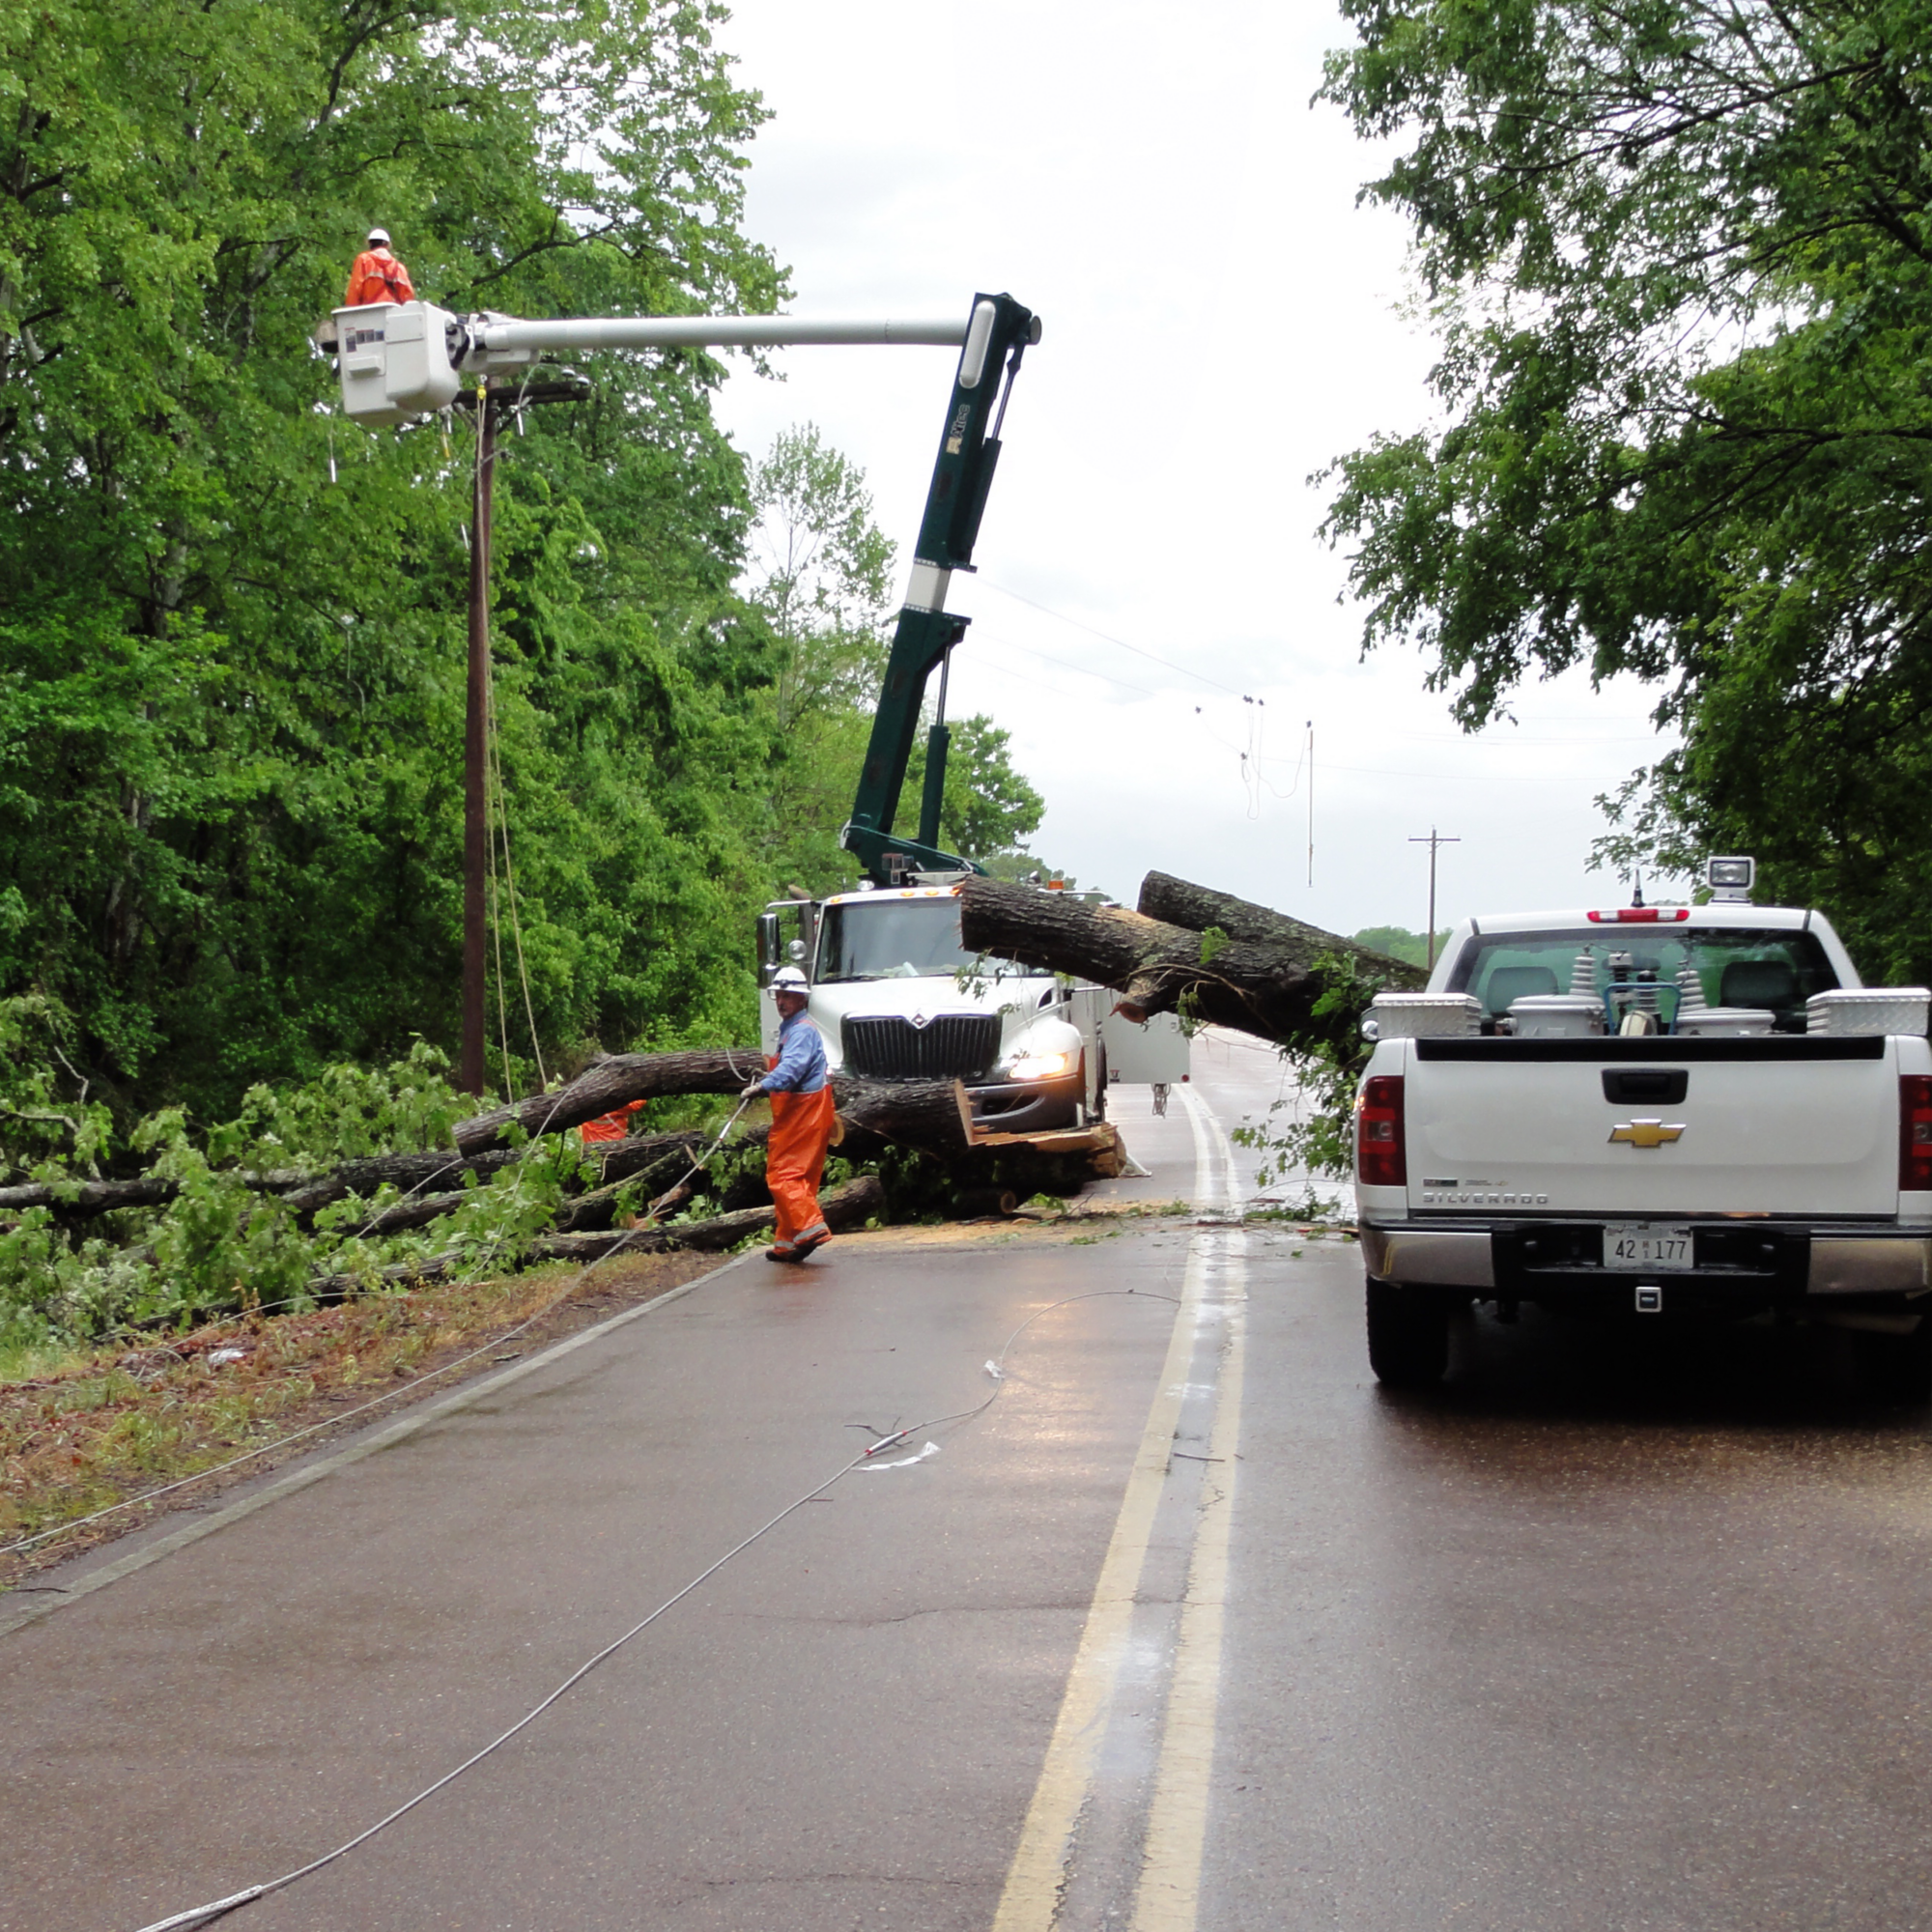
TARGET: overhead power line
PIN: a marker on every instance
(1107, 638)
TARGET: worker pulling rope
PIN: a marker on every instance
(204, 1914)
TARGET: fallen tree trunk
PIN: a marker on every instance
(847, 1206)
(915, 1114)
(611, 1083)
(921, 1114)
(1181, 902)
(1154, 966)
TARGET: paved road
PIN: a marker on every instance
(1193, 1628)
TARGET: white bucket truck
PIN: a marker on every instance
(898, 997)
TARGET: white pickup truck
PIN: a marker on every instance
(1659, 1110)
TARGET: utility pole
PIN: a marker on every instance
(489, 402)
(1432, 842)
(475, 755)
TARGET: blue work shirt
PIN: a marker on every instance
(800, 1068)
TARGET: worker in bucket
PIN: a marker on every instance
(378, 276)
(802, 1122)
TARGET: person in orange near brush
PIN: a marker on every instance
(803, 1120)
(614, 1125)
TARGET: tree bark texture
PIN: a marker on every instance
(610, 1083)
(1181, 902)
(921, 1114)
(1151, 964)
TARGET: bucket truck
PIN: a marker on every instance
(893, 991)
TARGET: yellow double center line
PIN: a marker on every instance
(1176, 1831)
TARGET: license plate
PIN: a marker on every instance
(1642, 1245)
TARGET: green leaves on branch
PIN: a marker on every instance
(1681, 263)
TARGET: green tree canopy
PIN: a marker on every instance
(1680, 260)
(231, 632)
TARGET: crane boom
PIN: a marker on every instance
(399, 360)
(706, 332)
(999, 332)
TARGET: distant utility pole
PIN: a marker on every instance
(1432, 842)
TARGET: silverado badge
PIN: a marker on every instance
(1647, 1134)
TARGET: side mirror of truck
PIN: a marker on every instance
(768, 945)
(795, 951)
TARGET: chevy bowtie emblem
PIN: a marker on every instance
(1647, 1134)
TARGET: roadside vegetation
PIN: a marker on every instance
(1679, 261)
(85, 1428)
(231, 624)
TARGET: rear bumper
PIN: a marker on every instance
(1746, 1264)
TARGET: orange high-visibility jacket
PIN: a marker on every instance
(377, 277)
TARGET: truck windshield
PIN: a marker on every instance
(1737, 966)
(893, 939)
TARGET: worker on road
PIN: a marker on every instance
(378, 276)
(802, 1122)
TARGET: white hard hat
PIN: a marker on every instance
(789, 980)
(378, 238)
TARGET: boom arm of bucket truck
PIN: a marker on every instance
(401, 360)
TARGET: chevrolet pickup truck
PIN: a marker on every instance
(1650, 1111)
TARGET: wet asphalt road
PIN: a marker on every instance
(1623, 1629)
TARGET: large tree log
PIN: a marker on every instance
(1181, 902)
(921, 1114)
(611, 1082)
(847, 1206)
(1154, 965)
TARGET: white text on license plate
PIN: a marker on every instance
(1641, 1246)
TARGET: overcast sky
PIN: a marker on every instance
(1221, 320)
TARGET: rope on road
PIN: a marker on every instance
(203, 1915)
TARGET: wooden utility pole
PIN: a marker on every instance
(476, 751)
(1433, 841)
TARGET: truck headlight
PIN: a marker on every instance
(1040, 1066)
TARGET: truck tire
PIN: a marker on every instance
(1409, 1335)
(1897, 1369)
(1100, 1086)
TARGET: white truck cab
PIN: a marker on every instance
(1652, 1109)
(898, 997)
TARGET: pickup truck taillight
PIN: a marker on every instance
(1379, 1157)
(1915, 1133)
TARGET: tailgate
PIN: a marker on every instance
(1777, 1125)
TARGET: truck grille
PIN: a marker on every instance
(954, 1046)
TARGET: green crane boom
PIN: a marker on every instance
(969, 449)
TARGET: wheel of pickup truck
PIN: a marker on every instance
(1409, 1335)
(1898, 1368)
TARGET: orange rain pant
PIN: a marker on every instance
(795, 1157)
